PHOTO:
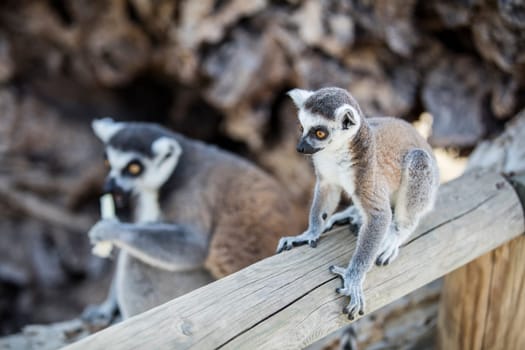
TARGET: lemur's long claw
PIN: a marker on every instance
(389, 249)
(286, 243)
(356, 306)
(340, 271)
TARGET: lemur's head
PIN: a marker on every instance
(140, 157)
(329, 117)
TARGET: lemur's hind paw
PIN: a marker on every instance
(389, 250)
(287, 243)
(331, 223)
(98, 316)
(349, 216)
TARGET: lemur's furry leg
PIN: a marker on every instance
(102, 315)
(348, 216)
(326, 198)
(415, 198)
(371, 234)
(165, 246)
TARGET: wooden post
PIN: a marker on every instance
(288, 301)
(483, 303)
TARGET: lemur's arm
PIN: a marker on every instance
(166, 246)
(369, 239)
(376, 221)
(326, 199)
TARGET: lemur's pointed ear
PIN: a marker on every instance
(299, 96)
(166, 147)
(348, 115)
(105, 128)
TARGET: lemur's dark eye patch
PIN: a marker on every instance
(134, 168)
(106, 161)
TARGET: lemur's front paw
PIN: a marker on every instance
(389, 249)
(104, 230)
(286, 243)
(353, 289)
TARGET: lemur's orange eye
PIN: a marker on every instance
(320, 134)
(134, 169)
(106, 163)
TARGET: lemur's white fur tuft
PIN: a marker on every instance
(299, 96)
(166, 146)
(350, 112)
(105, 128)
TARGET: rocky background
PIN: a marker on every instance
(216, 70)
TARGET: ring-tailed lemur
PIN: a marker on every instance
(200, 213)
(381, 163)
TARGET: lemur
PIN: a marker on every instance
(381, 163)
(200, 213)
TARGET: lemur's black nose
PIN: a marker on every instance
(110, 185)
(305, 148)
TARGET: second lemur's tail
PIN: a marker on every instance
(348, 340)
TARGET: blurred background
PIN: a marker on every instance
(217, 71)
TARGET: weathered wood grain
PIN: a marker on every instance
(288, 301)
(483, 303)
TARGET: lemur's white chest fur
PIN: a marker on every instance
(335, 168)
(148, 208)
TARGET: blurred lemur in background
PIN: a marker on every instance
(383, 164)
(199, 214)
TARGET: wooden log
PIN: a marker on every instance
(483, 303)
(288, 301)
